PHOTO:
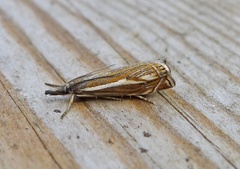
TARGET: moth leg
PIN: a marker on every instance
(145, 99)
(69, 106)
(112, 98)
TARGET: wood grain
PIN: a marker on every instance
(194, 125)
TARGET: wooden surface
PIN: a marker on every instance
(194, 125)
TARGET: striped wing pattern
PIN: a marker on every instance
(139, 79)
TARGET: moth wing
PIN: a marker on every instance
(92, 74)
(100, 71)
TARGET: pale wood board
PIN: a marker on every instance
(194, 125)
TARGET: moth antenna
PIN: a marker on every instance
(52, 85)
(162, 59)
(165, 60)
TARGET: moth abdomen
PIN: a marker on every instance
(60, 90)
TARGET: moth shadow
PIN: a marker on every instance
(84, 99)
(111, 98)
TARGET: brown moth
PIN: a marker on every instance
(135, 80)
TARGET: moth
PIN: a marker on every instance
(135, 80)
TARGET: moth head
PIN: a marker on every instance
(165, 73)
(166, 67)
(162, 68)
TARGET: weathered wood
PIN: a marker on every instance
(194, 125)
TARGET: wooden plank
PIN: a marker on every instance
(16, 136)
(194, 125)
